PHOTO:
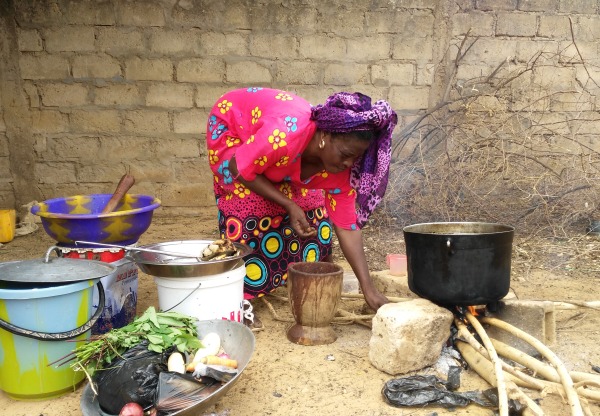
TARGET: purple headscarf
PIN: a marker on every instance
(344, 112)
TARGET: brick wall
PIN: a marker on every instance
(94, 88)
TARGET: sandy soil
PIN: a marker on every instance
(283, 378)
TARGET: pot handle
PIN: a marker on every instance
(59, 336)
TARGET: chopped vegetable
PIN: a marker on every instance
(163, 330)
(211, 344)
(176, 363)
(214, 360)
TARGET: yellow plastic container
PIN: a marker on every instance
(8, 219)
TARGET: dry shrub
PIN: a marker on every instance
(515, 146)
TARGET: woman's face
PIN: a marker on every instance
(341, 151)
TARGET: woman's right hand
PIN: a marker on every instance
(298, 221)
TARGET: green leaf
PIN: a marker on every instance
(152, 316)
(154, 339)
(155, 348)
(169, 321)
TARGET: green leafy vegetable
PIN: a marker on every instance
(162, 330)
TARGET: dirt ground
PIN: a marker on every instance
(283, 378)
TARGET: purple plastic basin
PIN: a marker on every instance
(79, 218)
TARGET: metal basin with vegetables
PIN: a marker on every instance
(237, 339)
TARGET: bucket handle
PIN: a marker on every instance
(59, 336)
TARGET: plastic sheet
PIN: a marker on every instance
(422, 391)
(178, 391)
(132, 378)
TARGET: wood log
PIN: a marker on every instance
(566, 380)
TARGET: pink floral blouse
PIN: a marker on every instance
(267, 130)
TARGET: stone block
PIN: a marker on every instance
(402, 20)
(578, 6)
(495, 5)
(175, 42)
(148, 122)
(490, 52)
(547, 6)
(303, 20)
(55, 172)
(190, 121)
(269, 45)
(63, 95)
(29, 40)
(119, 95)
(409, 98)
(392, 74)
(83, 149)
(587, 28)
(345, 22)
(323, 47)
(408, 336)
(190, 170)
(96, 66)
(537, 318)
(554, 27)
(516, 24)
(95, 121)
(33, 96)
(118, 41)
(170, 95)
(153, 171)
(346, 74)
(179, 147)
(299, 72)
(128, 147)
(200, 70)
(140, 13)
(49, 121)
(70, 39)
(247, 72)
(222, 44)
(43, 67)
(425, 74)
(368, 48)
(148, 69)
(480, 23)
(81, 13)
(418, 49)
(185, 194)
(206, 97)
(233, 16)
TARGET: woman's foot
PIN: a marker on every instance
(255, 324)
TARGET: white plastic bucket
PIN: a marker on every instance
(219, 296)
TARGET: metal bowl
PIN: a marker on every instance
(237, 339)
(80, 218)
(164, 265)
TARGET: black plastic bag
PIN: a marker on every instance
(178, 391)
(422, 391)
(132, 378)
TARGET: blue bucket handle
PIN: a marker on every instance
(59, 336)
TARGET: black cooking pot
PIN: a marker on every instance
(459, 263)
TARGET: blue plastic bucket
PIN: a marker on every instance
(25, 373)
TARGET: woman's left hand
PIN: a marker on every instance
(375, 299)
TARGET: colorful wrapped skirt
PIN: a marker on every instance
(275, 246)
